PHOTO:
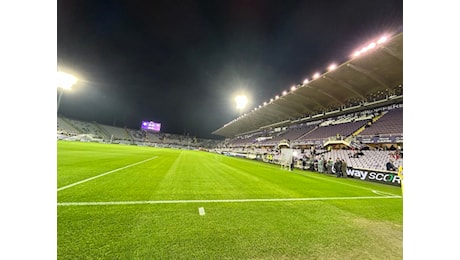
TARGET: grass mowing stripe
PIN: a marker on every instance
(218, 201)
(103, 174)
(327, 178)
(319, 177)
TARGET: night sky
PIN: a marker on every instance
(181, 63)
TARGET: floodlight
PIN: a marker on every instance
(332, 67)
(241, 101)
(306, 81)
(65, 80)
(316, 75)
(293, 87)
(382, 40)
(284, 92)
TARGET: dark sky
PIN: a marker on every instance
(181, 63)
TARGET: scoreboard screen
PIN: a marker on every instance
(151, 126)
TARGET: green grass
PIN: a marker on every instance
(337, 228)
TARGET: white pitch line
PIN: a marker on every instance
(382, 193)
(103, 174)
(217, 201)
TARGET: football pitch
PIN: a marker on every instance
(130, 202)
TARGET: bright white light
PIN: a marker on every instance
(284, 92)
(265, 103)
(277, 97)
(332, 67)
(306, 81)
(293, 87)
(65, 80)
(241, 101)
(370, 46)
(316, 75)
(382, 40)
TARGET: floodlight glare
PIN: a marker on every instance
(293, 87)
(382, 40)
(306, 81)
(316, 75)
(241, 101)
(332, 67)
(65, 80)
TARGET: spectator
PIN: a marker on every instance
(312, 163)
(325, 165)
(320, 164)
(330, 164)
(304, 162)
(390, 166)
(338, 167)
(344, 168)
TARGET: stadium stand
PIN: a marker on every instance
(390, 123)
(291, 134)
(88, 128)
(77, 130)
(65, 127)
(354, 112)
(338, 130)
(116, 134)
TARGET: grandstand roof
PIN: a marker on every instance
(370, 76)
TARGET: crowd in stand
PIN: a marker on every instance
(322, 165)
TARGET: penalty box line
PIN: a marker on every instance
(144, 202)
(105, 173)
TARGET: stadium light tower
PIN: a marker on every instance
(65, 82)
